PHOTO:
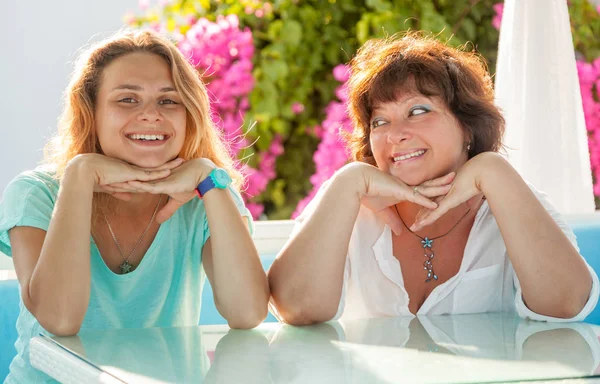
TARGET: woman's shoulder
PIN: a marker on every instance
(39, 180)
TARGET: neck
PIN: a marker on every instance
(408, 212)
(140, 205)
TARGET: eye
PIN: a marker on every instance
(128, 100)
(419, 110)
(377, 123)
(167, 101)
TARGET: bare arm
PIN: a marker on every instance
(232, 264)
(53, 268)
(307, 276)
(554, 278)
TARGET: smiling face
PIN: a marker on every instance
(139, 115)
(416, 138)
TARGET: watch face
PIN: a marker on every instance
(221, 178)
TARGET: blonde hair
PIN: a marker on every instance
(76, 132)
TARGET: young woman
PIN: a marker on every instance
(110, 233)
(428, 219)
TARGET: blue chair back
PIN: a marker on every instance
(587, 230)
(9, 311)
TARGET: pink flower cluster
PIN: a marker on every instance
(257, 179)
(332, 153)
(589, 83)
(223, 53)
(497, 19)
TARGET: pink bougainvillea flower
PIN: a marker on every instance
(297, 108)
(497, 20)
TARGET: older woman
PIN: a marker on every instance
(428, 219)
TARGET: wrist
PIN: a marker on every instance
(80, 171)
(495, 169)
(351, 178)
(203, 167)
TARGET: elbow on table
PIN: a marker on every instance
(568, 307)
(566, 311)
(573, 307)
(60, 326)
(247, 317)
(575, 300)
(248, 320)
(298, 313)
(56, 321)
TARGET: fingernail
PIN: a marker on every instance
(414, 227)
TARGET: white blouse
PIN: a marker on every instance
(486, 281)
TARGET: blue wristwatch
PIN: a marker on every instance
(217, 178)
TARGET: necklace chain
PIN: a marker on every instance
(437, 237)
(426, 242)
(125, 266)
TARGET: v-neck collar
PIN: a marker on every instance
(391, 268)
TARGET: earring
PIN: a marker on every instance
(468, 147)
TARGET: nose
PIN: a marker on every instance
(398, 133)
(150, 113)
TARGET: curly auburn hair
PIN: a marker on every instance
(418, 63)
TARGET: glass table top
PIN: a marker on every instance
(436, 349)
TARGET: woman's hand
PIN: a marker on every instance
(466, 188)
(108, 172)
(380, 191)
(180, 185)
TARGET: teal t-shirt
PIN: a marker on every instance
(165, 290)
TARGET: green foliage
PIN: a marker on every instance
(299, 42)
(585, 27)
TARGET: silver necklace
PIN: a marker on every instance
(125, 267)
(426, 242)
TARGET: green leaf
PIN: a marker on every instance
(379, 5)
(279, 126)
(274, 30)
(291, 32)
(362, 29)
(275, 69)
(469, 28)
(277, 192)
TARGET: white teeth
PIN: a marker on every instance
(146, 137)
(408, 156)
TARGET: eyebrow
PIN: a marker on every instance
(132, 87)
(402, 102)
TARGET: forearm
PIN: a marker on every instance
(239, 281)
(306, 278)
(59, 288)
(554, 278)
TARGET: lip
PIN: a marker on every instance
(147, 133)
(396, 154)
(149, 143)
(416, 158)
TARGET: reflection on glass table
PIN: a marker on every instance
(436, 349)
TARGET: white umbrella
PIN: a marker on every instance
(538, 90)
